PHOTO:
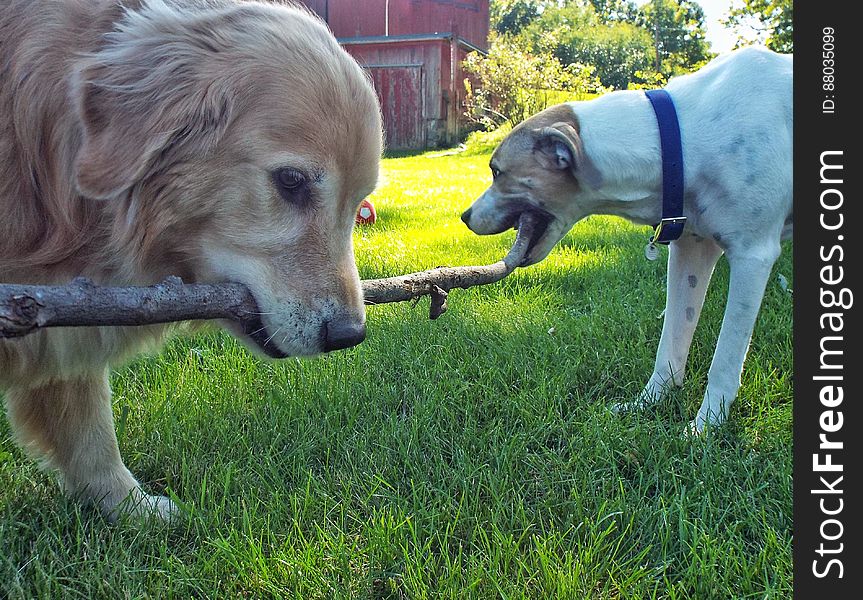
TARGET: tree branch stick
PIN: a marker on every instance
(437, 282)
(27, 308)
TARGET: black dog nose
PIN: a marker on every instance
(465, 217)
(338, 336)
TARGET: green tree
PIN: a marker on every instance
(576, 32)
(511, 16)
(628, 46)
(677, 27)
(775, 18)
(618, 52)
(615, 10)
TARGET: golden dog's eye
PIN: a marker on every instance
(289, 179)
(293, 186)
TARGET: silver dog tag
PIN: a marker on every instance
(651, 251)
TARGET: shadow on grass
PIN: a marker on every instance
(462, 454)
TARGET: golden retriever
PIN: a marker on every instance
(216, 140)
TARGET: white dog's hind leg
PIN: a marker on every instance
(69, 424)
(750, 271)
(691, 261)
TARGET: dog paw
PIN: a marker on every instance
(650, 395)
(699, 427)
(694, 429)
(620, 408)
(145, 507)
(656, 389)
(162, 508)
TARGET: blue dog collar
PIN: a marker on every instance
(671, 226)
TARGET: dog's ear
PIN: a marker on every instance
(139, 107)
(559, 147)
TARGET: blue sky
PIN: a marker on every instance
(721, 39)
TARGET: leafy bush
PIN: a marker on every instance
(626, 43)
(648, 80)
(512, 84)
(576, 33)
(484, 142)
(619, 52)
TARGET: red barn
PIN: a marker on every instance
(413, 50)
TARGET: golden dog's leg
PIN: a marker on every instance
(69, 425)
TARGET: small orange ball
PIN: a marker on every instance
(366, 214)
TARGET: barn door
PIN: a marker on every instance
(400, 91)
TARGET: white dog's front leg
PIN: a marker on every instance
(750, 271)
(691, 261)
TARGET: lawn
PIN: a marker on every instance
(470, 457)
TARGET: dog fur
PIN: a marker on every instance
(603, 157)
(216, 140)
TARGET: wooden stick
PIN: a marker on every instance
(438, 282)
(27, 308)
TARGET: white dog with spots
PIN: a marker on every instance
(603, 156)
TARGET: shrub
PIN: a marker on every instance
(484, 142)
(512, 84)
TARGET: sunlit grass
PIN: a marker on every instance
(470, 457)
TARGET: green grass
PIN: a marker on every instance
(470, 457)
